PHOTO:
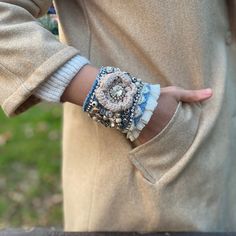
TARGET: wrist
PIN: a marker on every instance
(80, 86)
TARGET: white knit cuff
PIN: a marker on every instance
(52, 89)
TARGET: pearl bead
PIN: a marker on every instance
(118, 120)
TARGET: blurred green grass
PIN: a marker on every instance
(30, 168)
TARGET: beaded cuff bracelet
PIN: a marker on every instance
(119, 100)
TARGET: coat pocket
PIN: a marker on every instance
(157, 156)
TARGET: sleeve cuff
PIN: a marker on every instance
(52, 89)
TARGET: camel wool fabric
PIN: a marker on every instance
(184, 178)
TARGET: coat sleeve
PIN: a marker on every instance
(29, 53)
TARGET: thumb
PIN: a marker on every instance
(192, 95)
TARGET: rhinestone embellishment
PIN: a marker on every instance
(116, 91)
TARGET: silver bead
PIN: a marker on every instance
(109, 113)
(109, 69)
(112, 124)
(105, 118)
(94, 103)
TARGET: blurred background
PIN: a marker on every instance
(30, 162)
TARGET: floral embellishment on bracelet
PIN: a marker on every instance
(119, 100)
(116, 91)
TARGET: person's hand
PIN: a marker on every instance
(167, 104)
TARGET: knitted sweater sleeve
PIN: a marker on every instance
(52, 89)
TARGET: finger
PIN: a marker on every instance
(193, 95)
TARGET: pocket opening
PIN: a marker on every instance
(157, 156)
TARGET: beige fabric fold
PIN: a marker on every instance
(29, 54)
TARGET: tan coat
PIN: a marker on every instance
(185, 177)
